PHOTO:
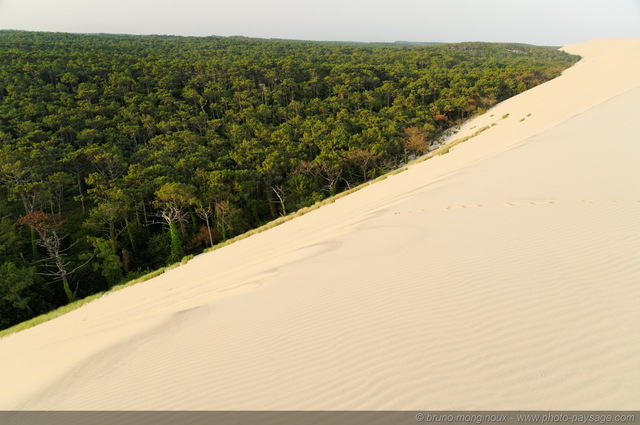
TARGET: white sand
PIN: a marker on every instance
(503, 275)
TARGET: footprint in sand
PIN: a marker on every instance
(521, 203)
(513, 204)
(457, 207)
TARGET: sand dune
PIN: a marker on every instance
(503, 275)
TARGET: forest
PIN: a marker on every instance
(121, 154)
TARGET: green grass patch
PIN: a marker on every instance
(79, 303)
(49, 316)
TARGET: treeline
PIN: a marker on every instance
(120, 154)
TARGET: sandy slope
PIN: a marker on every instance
(503, 275)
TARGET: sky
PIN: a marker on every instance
(541, 22)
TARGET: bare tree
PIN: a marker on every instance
(205, 212)
(173, 202)
(279, 191)
(48, 227)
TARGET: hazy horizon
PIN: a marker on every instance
(543, 22)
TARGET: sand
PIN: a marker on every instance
(502, 275)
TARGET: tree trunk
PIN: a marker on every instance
(132, 239)
(34, 246)
(209, 230)
(176, 244)
(272, 208)
(65, 284)
(223, 229)
(84, 211)
(126, 260)
(279, 191)
(113, 238)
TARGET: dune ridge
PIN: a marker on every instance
(502, 275)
